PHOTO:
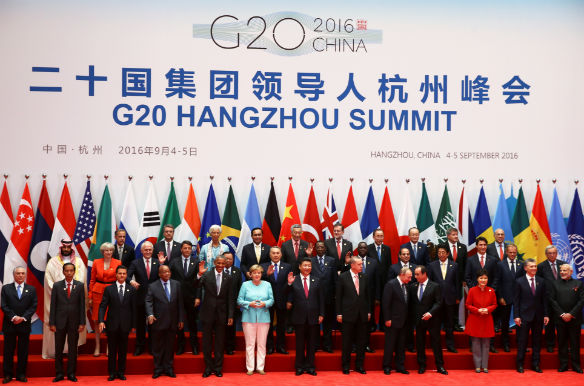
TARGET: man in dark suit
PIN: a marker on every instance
(425, 301)
(372, 272)
(167, 249)
(164, 307)
(276, 273)
(567, 299)
(215, 295)
(353, 311)
(380, 252)
(508, 271)
(445, 272)
(236, 277)
(295, 249)
(184, 270)
(325, 268)
(337, 247)
(19, 303)
(255, 252)
(142, 273)
(123, 251)
(119, 303)
(306, 299)
(549, 270)
(418, 250)
(457, 252)
(497, 247)
(530, 311)
(395, 304)
(67, 320)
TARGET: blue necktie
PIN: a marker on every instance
(379, 252)
(166, 290)
(19, 290)
(321, 263)
(421, 291)
(275, 271)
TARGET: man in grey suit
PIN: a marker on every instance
(164, 307)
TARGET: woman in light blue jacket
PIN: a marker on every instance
(255, 298)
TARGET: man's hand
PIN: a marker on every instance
(197, 302)
(546, 320)
(17, 320)
(348, 257)
(270, 270)
(230, 322)
(151, 319)
(81, 328)
(248, 275)
(320, 319)
(340, 318)
(101, 327)
(288, 305)
(426, 316)
(368, 317)
(517, 321)
(202, 268)
(567, 317)
(90, 302)
(53, 328)
(388, 323)
(161, 257)
(377, 302)
(135, 284)
(309, 249)
(180, 325)
(291, 278)
(502, 302)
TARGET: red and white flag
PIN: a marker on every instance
(351, 221)
(329, 215)
(407, 218)
(387, 224)
(311, 224)
(17, 253)
(64, 223)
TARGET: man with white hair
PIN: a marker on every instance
(213, 248)
(53, 274)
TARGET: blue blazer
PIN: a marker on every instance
(249, 293)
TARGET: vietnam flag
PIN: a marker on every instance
(291, 217)
(387, 224)
(311, 225)
(540, 229)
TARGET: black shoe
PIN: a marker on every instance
(346, 371)
(442, 370)
(7, 379)
(506, 348)
(112, 377)
(327, 349)
(180, 350)
(58, 378)
(537, 369)
(229, 352)
(311, 372)
(282, 350)
(361, 370)
(497, 330)
(458, 328)
(550, 348)
(451, 349)
(421, 370)
(22, 378)
(563, 369)
(353, 350)
(218, 374)
(122, 377)
(270, 351)
(207, 373)
(493, 349)
(577, 369)
(299, 371)
(387, 371)
(157, 375)
(369, 349)
(138, 351)
(403, 371)
(171, 374)
(72, 378)
(520, 369)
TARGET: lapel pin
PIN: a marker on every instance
(25, 290)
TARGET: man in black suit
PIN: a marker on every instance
(457, 252)
(19, 303)
(380, 252)
(372, 272)
(164, 307)
(276, 273)
(142, 273)
(353, 305)
(123, 251)
(325, 268)
(119, 303)
(549, 270)
(295, 249)
(67, 320)
(508, 271)
(418, 250)
(530, 311)
(215, 295)
(255, 252)
(236, 277)
(497, 247)
(567, 299)
(425, 306)
(306, 299)
(337, 247)
(395, 304)
(445, 272)
(167, 249)
(184, 270)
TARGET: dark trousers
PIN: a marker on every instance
(569, 334)
(535, 326)
(433, 329)
(306, 338)
(191, 313)
(214, 329)
(504, 315)
(230, 332)
(354, 334)
(141, 327)
(395, 342)
(280, 329)
(447, 315)
(328, 323)
(72, 337)
(117, 346)
(163, 350)
(550, 332)
(10, 345)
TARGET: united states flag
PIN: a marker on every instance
(85, 225)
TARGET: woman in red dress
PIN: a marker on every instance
(481, 302)
(103, 274)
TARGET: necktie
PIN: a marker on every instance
(415, 249)
(364, 265)
(186, 266)
(405, 291)
(305, 288)
(321, 263)
(356, 280)
(513, 268)
(339, 249)
(121, 251)
(168, 250)
(258, 252)
(121, 293)
(275, 271)
(532, 287)
(68, 290)
(218, 283)
(501, 251)
(554, 271)
(296, 248)
(166, 290)
(483, 261)
(228, 270)
(454, 252)
(443, 266)
(421, 291)
(148, 268)
(379, 252)
(19, 291)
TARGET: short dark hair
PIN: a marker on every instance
(338, 224)
(257, 229)
(481, 238)
(444, 247)
(186, 242)
(121, 267)
(305, 259)
(422, 268)
(482, 272)
(66, 264)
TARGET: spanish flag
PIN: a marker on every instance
(540, 229)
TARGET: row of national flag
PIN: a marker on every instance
(29, 238)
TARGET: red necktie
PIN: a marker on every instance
(501, 251)
(148, 268)
(339, 248)
(482, 261)
(305, 288)
(454, 252)
(68, 290)
(532, 287)
(296, 248)
(357, 283)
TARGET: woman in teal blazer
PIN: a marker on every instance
(255, 298)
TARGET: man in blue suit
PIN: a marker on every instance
(509, 270)
(418, 250)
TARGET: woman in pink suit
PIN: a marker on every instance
(481, 302)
